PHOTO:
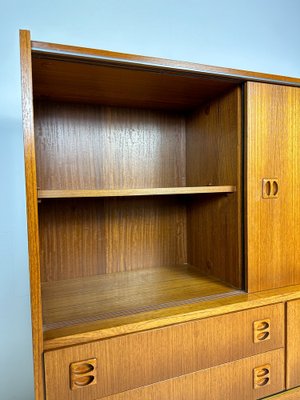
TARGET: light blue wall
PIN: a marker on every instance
(259, 35)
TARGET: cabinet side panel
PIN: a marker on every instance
(213, 146)
(293, 344)
(272, 233)
(83, 146)
(32, 214)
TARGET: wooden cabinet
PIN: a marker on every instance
(158, 194)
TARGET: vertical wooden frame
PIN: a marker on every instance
(32, 212)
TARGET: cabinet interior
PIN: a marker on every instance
(139, 183)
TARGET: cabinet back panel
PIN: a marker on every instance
(92, 147)
(94, 236)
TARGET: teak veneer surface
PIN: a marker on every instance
(273, 151)
(214, 225)
(233, 380)
(32, 213)
(135, 360)
(65, 79)
(157, 63)
(59, 194)
(84, 146)
(87, 332)
(293, 394)
(75, 301)
(86, 237)
(293, 344)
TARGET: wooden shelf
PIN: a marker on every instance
(53, 194)
(84, 300)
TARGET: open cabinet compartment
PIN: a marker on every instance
(116, 145)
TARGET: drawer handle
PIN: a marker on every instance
(83, 373)
(262, 325)
(262, 382)
(262, 372)
(84, 381)
(261, 330)
(261, 376)
(83, 368)
(262, 336)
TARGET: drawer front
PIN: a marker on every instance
(234, 381)
(293, 344)
(135, 360)
(293, 394)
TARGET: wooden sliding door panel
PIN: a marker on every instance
(272, 191)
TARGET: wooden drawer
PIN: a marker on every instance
(131, 361)
(293, 394)
(293, 344)
(234, 381)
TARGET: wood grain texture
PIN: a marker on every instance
(87, 332)
(93, 236)
(52, 194)
(158, 63)
(32, 214)
(140, 359)
(272, 152)
(92, 147)
(228, 381)
(293, 345)
(75, 301)
(293, 394)
(216, 129)
(65, 79)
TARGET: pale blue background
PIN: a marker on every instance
(260, 35)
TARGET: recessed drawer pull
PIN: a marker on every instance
(262, 382)
(84, 381)
(261, 330)
(83, 373)
(263, 336)
(261, 326)
(263, 372)
(82, 368)
(261, 376)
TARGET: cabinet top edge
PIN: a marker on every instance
(45, 49)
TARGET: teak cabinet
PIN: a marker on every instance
(163, 224)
